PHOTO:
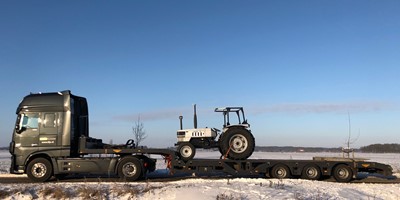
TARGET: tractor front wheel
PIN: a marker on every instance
(186, 151)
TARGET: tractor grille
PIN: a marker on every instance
(180, 133)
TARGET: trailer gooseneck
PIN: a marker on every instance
(51, 138)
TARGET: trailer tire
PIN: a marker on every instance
(311, 172)
(280, 171)
(186, 151)
(130, 168)
(39, 170)
(238, 143)
(342, 173)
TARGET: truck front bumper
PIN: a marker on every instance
(16, 169)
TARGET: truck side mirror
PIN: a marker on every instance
(22, 129)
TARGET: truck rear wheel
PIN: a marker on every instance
(237, 143)
(186, 151)
(39, 170)
(130, 168)
(342, 173)
(311, 172)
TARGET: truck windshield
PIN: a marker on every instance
(30, 120)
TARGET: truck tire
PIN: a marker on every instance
(311, 172)
(238, 143)
(39, 170)
(130, 168)
(186, 151)
(280, 171)
(342, 173)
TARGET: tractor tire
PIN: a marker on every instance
(186, 151)
(237, 143)
(219, 146)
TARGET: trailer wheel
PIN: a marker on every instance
(130, 168)
(311, 172)
(280, 171)
(342, 173)
(186, 151)
(39, 170)
(238, 143)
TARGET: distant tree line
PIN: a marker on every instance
(381, 148)
(295, 149)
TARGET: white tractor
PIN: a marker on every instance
(234, 142)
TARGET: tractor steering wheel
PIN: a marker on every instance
(216, 130)
(130, 143)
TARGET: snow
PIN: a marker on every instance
(206, 188)
(211, 189)
(5, 162)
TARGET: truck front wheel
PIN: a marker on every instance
(39, 170)
(130, 169)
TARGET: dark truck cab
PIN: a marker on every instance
(48, 124)
(51, 137)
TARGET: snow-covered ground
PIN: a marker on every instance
(197, 188)
(5, 162)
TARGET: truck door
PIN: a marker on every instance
(48, 130)
(27, 135)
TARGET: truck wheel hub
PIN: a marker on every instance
(129, 169)
(39, 170)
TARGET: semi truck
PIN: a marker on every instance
(51, 138)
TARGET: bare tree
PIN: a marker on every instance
(347, 150)
(139, 132)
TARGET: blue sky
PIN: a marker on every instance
(297, 67)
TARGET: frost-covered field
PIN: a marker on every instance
(197, 188)
(5, 160)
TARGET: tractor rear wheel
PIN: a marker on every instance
(237, 143)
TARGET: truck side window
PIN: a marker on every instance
(30, 120)
(49, 120)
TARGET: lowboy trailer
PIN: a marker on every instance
(51, 138)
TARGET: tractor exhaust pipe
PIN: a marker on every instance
(195, 116)
(180, 121)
